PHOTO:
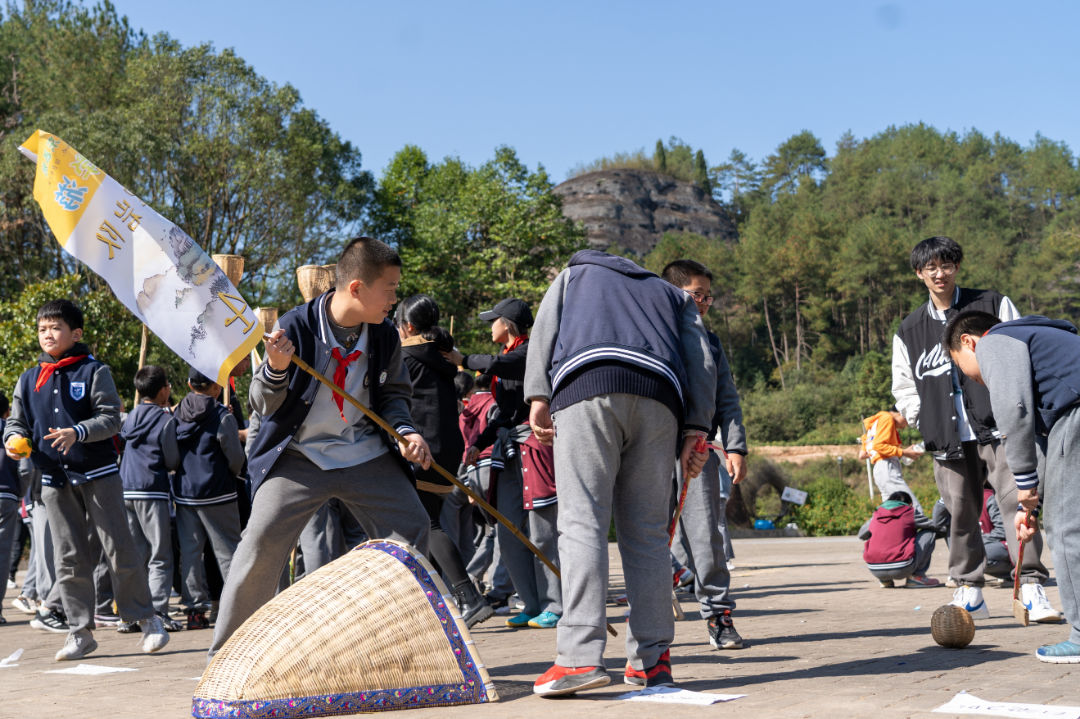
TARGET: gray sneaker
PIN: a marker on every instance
(154, 635)
(77, 645)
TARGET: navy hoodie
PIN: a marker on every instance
(149, 434)
(210, 452)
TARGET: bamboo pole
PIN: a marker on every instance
(233, 267)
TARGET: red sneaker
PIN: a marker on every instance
(658, 675)
(567, 680)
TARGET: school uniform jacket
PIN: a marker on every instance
(434, 401)
(210, 454)
(284, 403)
(924, 376)
(81, 395)
(149, 435)
(9, 474)
(508, 390)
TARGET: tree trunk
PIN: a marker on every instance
(772, 341)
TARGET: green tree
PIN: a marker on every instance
(660, 157)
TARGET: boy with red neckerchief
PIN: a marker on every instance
(69, 409)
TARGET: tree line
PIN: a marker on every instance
(808, 297)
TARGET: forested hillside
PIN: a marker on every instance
(808, 295)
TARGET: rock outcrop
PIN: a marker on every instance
(632, 209)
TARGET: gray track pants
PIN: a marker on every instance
(698, 534)
(613, 456)
(377, 492)
(1061, 496)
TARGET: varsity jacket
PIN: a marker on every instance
(149, 435)
(643, 335)
(925, 381)
(509, 390)
(1030, 367)
(283, 403)
(81, 395)
(210, 455)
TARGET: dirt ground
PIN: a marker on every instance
(805, 453)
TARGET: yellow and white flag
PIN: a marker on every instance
(152, 266)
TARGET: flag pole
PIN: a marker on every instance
(233, 267)
(142, 355)
(434, 465)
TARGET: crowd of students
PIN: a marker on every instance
(616, 404)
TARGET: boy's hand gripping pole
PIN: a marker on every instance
(447, 475)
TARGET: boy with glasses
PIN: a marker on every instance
(953, 414)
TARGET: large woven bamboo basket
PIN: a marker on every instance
(370, 631)
(313, 280)
(232, 266)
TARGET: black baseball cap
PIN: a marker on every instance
(511, 309)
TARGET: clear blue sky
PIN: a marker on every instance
(567, 82)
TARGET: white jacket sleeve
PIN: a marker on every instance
(903, 383)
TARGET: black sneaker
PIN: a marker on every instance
(722, 634)
(496, 603)
(170, 624)
(48, 620)
(128, 627)
(658, 675)
(197, 619)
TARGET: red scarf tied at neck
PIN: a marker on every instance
(343, 363)
(47, 369)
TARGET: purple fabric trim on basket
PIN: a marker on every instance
(470, 691)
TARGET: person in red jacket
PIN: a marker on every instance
(898, 543)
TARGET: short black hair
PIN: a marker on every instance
(483, 382)
(900, 497)
(364, 259)
(682, 272)
(940, 248)
(65, 310)
(150, 380)
(463, 383)
(970, 322)
(198, 381)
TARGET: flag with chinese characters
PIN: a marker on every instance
(152, 266)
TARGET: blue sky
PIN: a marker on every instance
(567, 82)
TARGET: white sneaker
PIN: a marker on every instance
(154, 635)
(77, 645)
(971, 599)
(731, 566)
(1039, 610)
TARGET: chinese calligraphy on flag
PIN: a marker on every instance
(152, 266)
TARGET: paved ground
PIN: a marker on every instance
(824, 640)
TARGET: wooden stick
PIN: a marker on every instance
(142, 354)
(439, 469)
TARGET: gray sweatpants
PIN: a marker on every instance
(148, 521)
(535, 584)
(218, 523)
(1061, 495)
(960, 483)
(613, 456)
(377, 492)
(698, 533)
(889, 479)
(73, 513)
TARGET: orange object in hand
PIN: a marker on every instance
(19, 445)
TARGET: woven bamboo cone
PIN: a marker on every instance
(361, 623)
(232, 266)
(312, 280)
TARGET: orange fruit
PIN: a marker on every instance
(19, 445)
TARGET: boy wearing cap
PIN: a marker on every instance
(531, 505)
(1029, 368)
(312, 446)
(204, 489)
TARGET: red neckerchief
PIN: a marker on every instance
(47, 368)
(339, 376)
(518, 341)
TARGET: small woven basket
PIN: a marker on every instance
(952, 626)
(313, 280)
(370, 631)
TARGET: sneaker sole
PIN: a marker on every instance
(546, 690)
(46, 628)
(1053, 618)
(725, 645)
(1073, 659)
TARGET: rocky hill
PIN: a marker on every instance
(632, 209)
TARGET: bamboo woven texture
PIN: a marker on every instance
(372, 626)
(952, 626)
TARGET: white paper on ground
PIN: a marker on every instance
(10, 661)
(91, 669)
(964, 703)
(673, 695)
